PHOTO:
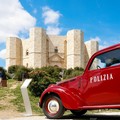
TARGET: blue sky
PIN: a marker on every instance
(98, 19)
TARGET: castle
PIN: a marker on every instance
(41, 49)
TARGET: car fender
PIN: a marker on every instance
(70, 99)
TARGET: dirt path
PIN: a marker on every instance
(7, 109)
(28, 118)
(5, 114)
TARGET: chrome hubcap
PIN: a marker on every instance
(53, 106)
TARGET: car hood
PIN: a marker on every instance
(66, 81)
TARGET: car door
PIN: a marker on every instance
(101, 82)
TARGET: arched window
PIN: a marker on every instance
(26, 64)
(56, 66)
(56, 50)
(27, 52)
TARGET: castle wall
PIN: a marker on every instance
(75, 50)
(57, 42)
(13, 51)
(86, 56)
(37, 51)
(25, 53)
(92, 47)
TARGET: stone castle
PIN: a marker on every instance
(42, 49)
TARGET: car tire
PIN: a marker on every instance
(52, 107)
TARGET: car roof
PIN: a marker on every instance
(108, 48)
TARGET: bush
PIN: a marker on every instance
(73, 72)
(42, 78)
(40, 81)
(19, 72)
(12, 69)
(54, 72)
(79, 68)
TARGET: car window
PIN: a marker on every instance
(111, 58)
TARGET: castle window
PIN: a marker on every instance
(27, 53)
(56, 50)
(26, 64)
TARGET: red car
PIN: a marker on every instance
(97, 88)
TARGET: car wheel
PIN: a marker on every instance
(52, 107)
(78, 112)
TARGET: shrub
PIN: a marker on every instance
(69, 71)
(79, 68)
(54, 72)
(19, 72)
(12, 69)
(42, 78)
(40, 81)
(73, 72)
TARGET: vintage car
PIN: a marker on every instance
(97, 88)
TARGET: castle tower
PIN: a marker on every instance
(75, 49)
(13, 51)
(37, 51)
(90, 48)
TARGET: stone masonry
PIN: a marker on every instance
(41, 49)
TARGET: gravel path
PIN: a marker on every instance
(27, 118)
(95, 116)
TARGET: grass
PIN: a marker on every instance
(12, 93)
(18, 101)
(5, 96)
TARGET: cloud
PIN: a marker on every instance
(51, 20)
(14, 19)
(50, 16)
(53, 30)
(3, 54)
(107, 43)
(96, 39)
(103, 45)
(35, 11)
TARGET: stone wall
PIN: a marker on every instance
(56, 42)
(13, 51)
(25, 53)
(90, 48)
(75, 50)
(37, 52)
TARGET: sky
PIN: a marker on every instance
(98, 19)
